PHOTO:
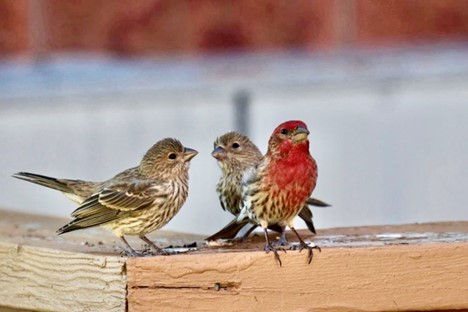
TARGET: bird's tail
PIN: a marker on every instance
(69, 228)
(306, 215)
(232, 228)
(316, 202)
(49, 182)
(229, 231)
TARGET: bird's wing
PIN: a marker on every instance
(124, 197)
(222, 202)
(114, 201)
(252, 188)
(219, 190)
(135, 196)
(306, 215)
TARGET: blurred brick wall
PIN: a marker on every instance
(409, 20)
(13, 26)
(191, 26)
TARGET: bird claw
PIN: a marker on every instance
(160, 252)
(131, 253)
(145, 253)
(309, 248)
(269, 248)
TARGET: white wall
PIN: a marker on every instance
(389, 150)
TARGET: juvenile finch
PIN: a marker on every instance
(136, 201)
(275, 191)
(235, 154)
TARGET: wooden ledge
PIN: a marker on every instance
(389, 268)
(370, 279)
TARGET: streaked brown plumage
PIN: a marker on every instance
(136, 201)
(236, 153)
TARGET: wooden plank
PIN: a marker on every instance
(55, 280)
(409, 267)
(80, 271)
(388, 278)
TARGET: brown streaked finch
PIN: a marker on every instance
(235, 154)
(136, 201)
(275, 191)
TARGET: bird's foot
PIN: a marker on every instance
(269, 247)
(304, 245)
(131, 253)
(153, 249)
(159, 251)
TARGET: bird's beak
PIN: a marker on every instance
(300, 134)
(189, 153)
(219, 153)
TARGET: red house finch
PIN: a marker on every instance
(275, 191)
(236, 153)
(136, 201)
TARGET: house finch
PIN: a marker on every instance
(136, 201)
(236, 153)
(275, 191)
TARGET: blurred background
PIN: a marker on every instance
(86, 87)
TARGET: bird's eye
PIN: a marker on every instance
(172, 156)
(235, 145)
(284, 131)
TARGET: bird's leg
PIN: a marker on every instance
(130, 251)
(282, 241)
(269, 247)
(159, 251)
(304, 245)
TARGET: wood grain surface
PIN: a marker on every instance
(370, 268)
(390, 278)
(55, 280)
